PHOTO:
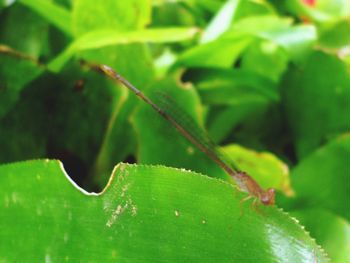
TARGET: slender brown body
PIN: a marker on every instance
(250, 186)
(244, 181)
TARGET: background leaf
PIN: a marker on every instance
(324, 81)
(101, 38)
(314, 178)
(54, 13)
(221, 22)
(11, 85)
(87, 16)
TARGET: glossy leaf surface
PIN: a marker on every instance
(140, 206)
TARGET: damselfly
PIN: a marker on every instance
(193, 133)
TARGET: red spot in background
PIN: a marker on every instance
(311, 3)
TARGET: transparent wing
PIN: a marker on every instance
(193, 132)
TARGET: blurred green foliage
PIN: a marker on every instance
(269, 80)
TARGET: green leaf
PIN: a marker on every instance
(29, 34)
(330, 231)
(321, 179)
(5, 3)
(221, 121)
(210, 5)
(233, 87)
(117, 15)
(320, 88)
(237, 93)
(170, 13)
(24, 128)
(21, 42)
(296, 40)
(267, 59)
(11, 84)
(258, 25)
(102, 38)
(52, 12)
(335, 35)
(164, 62)
(197, 219)
(254, 9)
(226, 53)
(221, 21)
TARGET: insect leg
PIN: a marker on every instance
(241, 204)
